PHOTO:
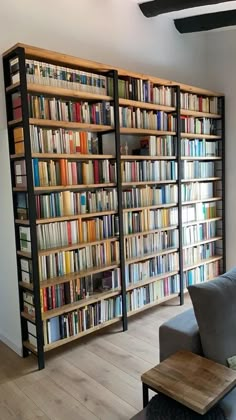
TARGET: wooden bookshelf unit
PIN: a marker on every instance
(118, 192)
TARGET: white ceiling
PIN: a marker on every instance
(198, 10)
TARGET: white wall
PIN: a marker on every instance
(221, 75)
(110, 31)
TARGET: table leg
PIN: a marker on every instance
(145, 395)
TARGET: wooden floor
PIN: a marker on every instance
(94, 378)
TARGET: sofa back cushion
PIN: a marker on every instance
(214, 305)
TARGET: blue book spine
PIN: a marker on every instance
(36, 172)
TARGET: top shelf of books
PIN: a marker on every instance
(34, 53)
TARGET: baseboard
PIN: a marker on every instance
(12, 345)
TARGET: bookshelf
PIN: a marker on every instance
(104, 192)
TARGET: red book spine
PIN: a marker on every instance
(78, 112)
(74, 173)
(45, 301)
(53, 297)
(96, 171)
(69, 233)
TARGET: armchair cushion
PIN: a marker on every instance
(214, 305)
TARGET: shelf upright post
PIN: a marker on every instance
(7, 82)
(222, 99)
(32, 207)
(179, 163)
(119, 194)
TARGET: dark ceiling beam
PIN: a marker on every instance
(158, 7)
(206, 22)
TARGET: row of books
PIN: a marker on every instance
(198, 253)
(146, 220)
(139, 246)
(149, 196)
(42, 107)
(149, 171)
(153, 120)
(198, 169)
(201, 274)
(46, 140)
(152, 292)
(68, 203)
(197, 125)
(81, 288)
(199, 103)
(79, 231)
(66, 262)
(201, 148)
(198, 211)
(71, 324)
(162, 264)
(197, 191)
(39, 72)
(158, 146)
(197, 233)
(144, 91)
(149, 220)
(64, 172)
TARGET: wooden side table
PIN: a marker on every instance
(192, 380)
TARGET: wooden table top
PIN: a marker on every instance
(192, 380)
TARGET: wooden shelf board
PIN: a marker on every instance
(74, 187)
(28, 286)
(156, 206)
(150, 280)
(203, 262)
(75, 217)
(72, 276)
(80, 304)
(132, 235)
(17, 156)
(76, 156)
(12, 87)
(30, 347)
(200, 136)
(126, 184)
(22, 222)
(18, 189)
(44, 252)
(146, 105)
(201, 158)
(204, 200)
(213, 178)
(24, 254)
(15, 122)
(63, 341)
(68, 60)
(198, 222)
(70, 125)
(200, 114)
(65, 92)
(151, 255)
(152, 304)
(147, 157)
(206, 241)
(28, 317)
(146, 131)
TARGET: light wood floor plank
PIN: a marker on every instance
(99, 400)
(122, 359)
(95, 377)
(55, 402)
(15, 405)
(106, 374)
(134, 345)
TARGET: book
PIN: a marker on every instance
(25, 239)
(20, 174)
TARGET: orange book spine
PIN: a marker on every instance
(63, 172)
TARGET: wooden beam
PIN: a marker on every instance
(158, 7)
(206, 22)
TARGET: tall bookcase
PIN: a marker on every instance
(118, 203)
